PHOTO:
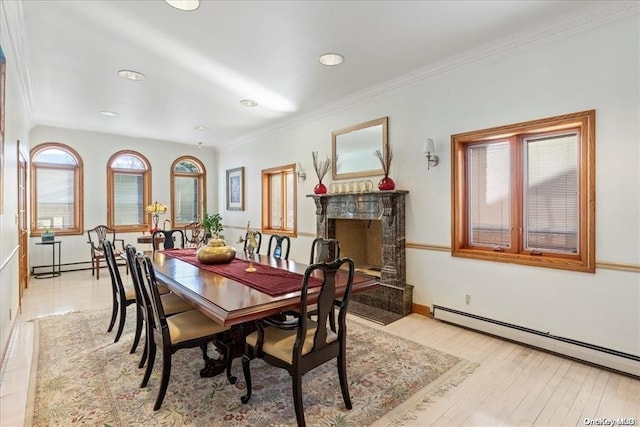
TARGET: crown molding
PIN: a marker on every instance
(12, 19)
(600, 14)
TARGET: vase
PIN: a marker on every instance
(386, 184)
(216, 252)
(320, 188)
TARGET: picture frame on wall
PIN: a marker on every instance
(235, 189)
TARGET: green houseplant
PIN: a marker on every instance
(216, 250)
(212, 224)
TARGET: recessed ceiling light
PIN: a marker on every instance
(109, 113)
(248, 103)
(131, 75)
(331, 59)
(187, 5)
(201, 128)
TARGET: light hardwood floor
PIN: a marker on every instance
(513, 385)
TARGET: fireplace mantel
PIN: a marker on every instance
(395, 295)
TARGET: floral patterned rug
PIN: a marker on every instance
(81, 377)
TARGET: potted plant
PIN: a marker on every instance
(216, 250)
(212, 224)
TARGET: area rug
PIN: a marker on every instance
(81, 377)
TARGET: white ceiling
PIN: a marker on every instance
(200, 64)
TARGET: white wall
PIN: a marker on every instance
(95, 149)
(15, 129)
(596, 68)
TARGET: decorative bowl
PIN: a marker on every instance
(216, 252)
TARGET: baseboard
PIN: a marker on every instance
(622, 362)
(424, 310)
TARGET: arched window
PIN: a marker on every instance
(128, 191)
(56, 190)
(188, 177)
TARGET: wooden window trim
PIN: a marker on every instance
(266, 200)
(146, 196)
(585, 261)
(202, 188)
(78, 188)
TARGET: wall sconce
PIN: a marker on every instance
(429, 149)
(301, 174)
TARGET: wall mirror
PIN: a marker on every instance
(353, 149)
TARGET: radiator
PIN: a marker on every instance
(590, 353)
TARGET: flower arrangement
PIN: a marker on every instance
(385, 183)
(156, 209)
(321, 168)
(385, 161)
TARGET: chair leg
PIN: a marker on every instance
(143, 358)
(247, 378)
(164, 383)
(296, 382)
(97, 268)
(136, 338)
(150, 361)
(342, 374)
(123, 317)
(93, 266)
(114, 314)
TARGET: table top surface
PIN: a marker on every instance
(229, 302)
(49, 242)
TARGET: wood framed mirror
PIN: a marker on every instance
(353, 149)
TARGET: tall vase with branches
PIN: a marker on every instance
(385, 183)
(321, 168)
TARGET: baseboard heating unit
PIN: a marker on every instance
(601, 356)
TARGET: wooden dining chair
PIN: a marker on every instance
(258, 236)
(172, 333)
(96, 235)
(280, 244)
(299, 344)
(171, 303)
(123, 295)
(194, 235)
(324, 250)
(167, 239)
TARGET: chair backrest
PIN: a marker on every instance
(97, 234)
(258, 236)
(150, 288)
(170, 237)
(136, 278)
(324, 250)
(194, 235)
(281, 247)
(333, 273)
(112, 265)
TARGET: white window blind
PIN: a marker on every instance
(55, 198)
(128, 199)
(551, 194)
(489, 194)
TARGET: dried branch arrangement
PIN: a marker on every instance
(321, 167)
(385, 161)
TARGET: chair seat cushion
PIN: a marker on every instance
(279, 342)
(172, 304)
(190, 325)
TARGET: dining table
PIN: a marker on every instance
(233, 297)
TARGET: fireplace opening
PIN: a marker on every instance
(361, 240)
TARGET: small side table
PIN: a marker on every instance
(53, 272)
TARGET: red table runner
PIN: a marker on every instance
(267, 279)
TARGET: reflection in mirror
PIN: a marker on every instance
(353, 149)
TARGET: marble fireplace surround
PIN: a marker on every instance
(394, 298)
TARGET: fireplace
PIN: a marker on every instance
(370, 227)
